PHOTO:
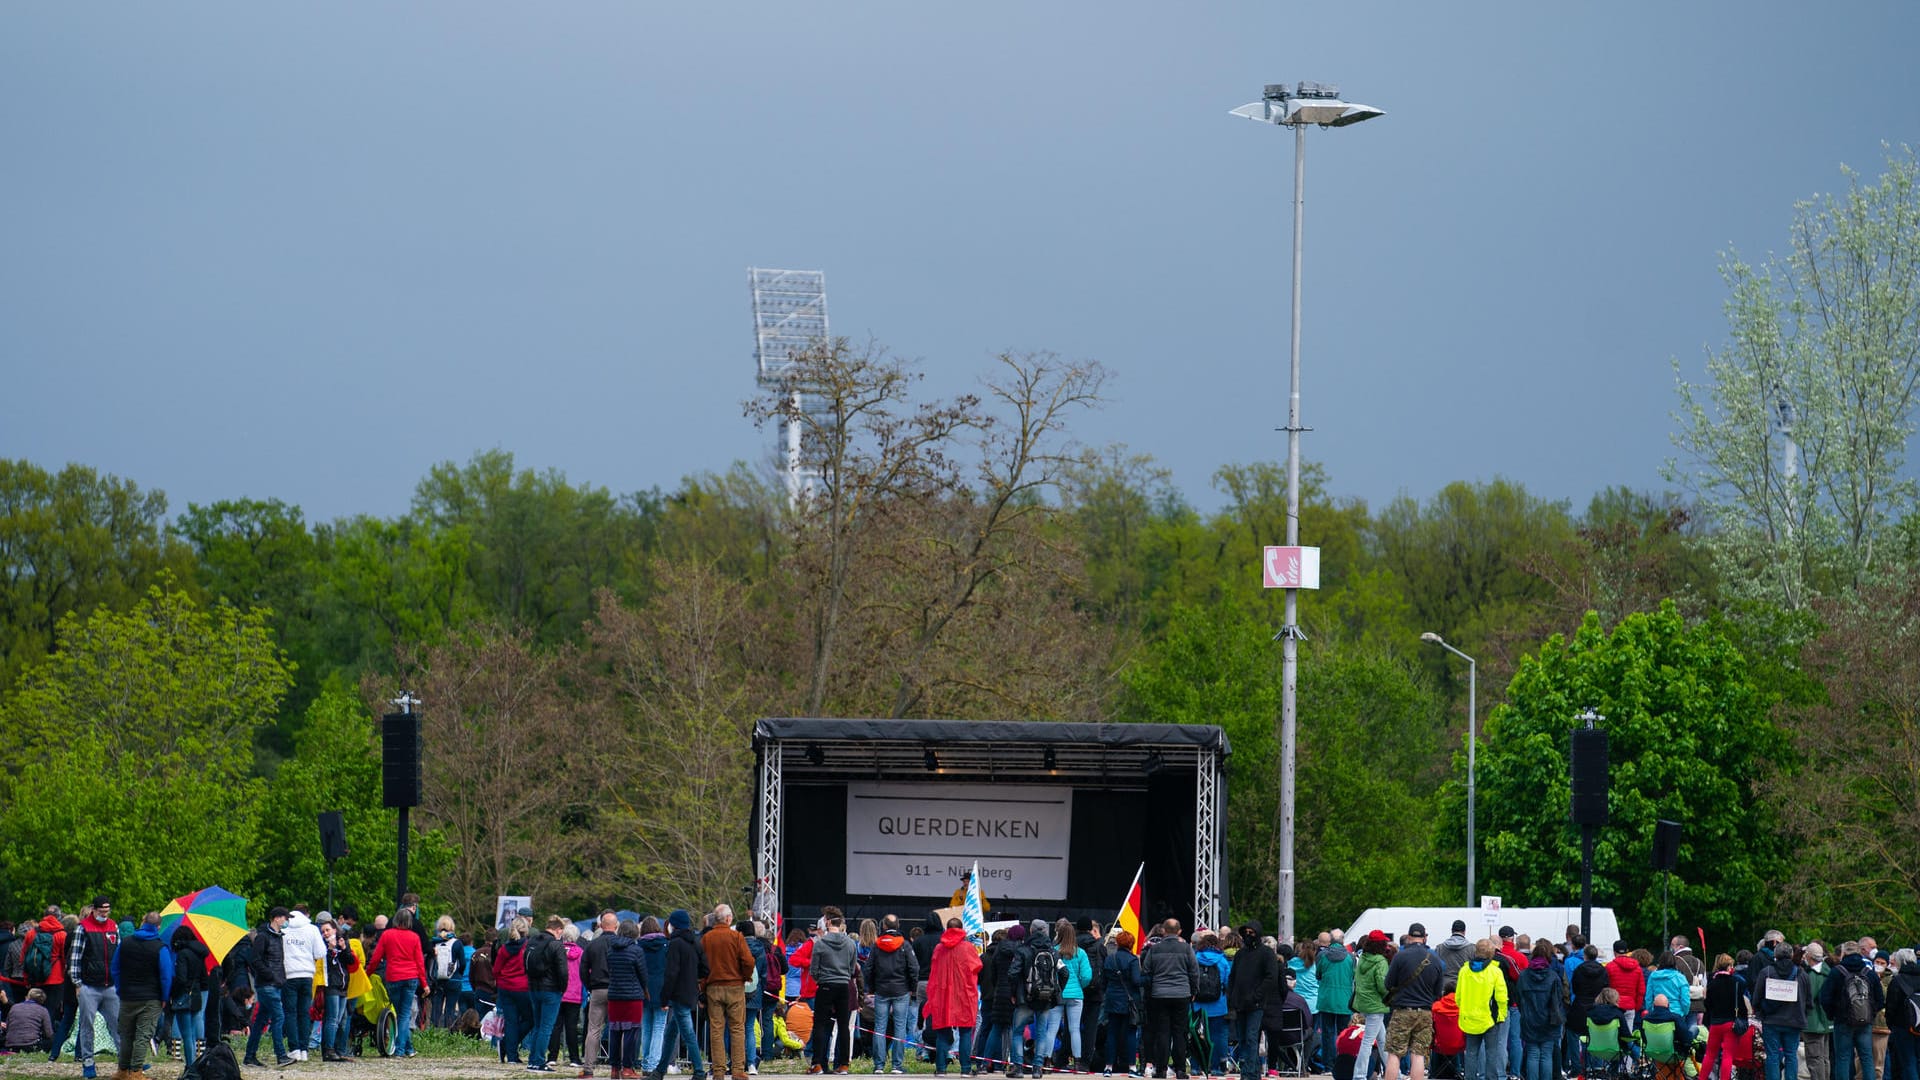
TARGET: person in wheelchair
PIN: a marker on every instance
(1609, 1040)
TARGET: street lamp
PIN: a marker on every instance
(1306, 103)
(1432, 638)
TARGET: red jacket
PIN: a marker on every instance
(50, 925)
(1624, 975)
(953, 982)
(400, 949)
(802, 958)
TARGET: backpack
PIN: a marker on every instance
(217, 1062)
(1913, 1014)
(1043, 980)
(37, 962)
(1856, 1003)
(753, 980)
(1206, 988)
(443, 960)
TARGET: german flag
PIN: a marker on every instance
(1129, 917)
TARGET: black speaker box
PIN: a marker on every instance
(399, 760)
(1666, 844)
(333, 836)
(1588, 764)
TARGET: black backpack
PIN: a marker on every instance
(218, 1063)
(1044, 977)
(1206, 988)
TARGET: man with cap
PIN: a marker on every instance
(1413, 985)
(90, 951)
(1254, 965)
(835, 958)
(1816, 1039)
(1334, 969)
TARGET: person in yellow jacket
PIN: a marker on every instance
(1482, 994)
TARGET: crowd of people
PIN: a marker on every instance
(638, 995)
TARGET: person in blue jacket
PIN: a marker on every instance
(1207, 954)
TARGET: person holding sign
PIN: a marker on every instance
(1781, 998)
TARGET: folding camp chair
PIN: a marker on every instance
(1667, 1059)
(1287, 1042)
(1607, 1049)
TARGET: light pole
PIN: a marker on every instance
(1432, 638)
(1296, 107)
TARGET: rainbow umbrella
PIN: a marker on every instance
(218, 918)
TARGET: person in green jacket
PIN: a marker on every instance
(1370, 1000)
(1335, 967)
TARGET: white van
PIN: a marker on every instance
(1535, 922)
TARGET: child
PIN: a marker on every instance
(1346, 1047)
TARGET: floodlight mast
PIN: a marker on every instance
(789, 317)
(1306, 103)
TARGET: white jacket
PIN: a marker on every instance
(303, 948)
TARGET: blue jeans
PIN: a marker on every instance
(1246, 1039)
(186, 1028)
(680, 1025)
(518, 1007)
(1046, 1027)
(333, 1028)
(1539, 1062)
(296, 998)
(1477, 1058)
(105, 1001)
(1497, 1049)
(546, 1010)
(653, 1037)
(952, 1041)
(1846, 1042)
(267, 1018)
(1783, 1051)
(892, 1027)
(1516, 1051)
(402, 995)
(1074, 1007)
(1120, 1039)
(753, 1033)
(1901, 1063)
(987, 1042)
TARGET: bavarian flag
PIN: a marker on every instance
(1129, 917)
(973, 916)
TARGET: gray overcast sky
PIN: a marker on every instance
(306, 251)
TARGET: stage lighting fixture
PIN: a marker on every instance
(815, 756)
(932, 760)
(1052, 762)
(1154, 763)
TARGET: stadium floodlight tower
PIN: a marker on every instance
(1295, 107)
(789, 317)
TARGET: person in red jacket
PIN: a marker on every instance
(1625, 975)
(55, 984)
(953, 996)
(405, 975)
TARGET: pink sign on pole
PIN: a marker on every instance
(1290, 568)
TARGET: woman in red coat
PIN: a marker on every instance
(953, 997)
(405, 974)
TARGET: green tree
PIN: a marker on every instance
(1368, 738)
(1825, 351)
(336, 766)
(71, 541)
(133, 759)
(1688, 740)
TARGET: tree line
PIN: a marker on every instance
(183, 692)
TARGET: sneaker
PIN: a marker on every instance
(584, 1073)
(253, 1061)
(814, 1070)
(282, 1061)
(1106, 1072)
(673, 1070)
(753, 1070)
(87, 1071)
(899, 1072)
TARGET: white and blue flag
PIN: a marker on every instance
(973, 917)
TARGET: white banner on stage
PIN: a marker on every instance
(921, 839)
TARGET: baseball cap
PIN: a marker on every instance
(1417, 929)
(1506, 932)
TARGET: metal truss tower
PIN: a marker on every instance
(789, 317)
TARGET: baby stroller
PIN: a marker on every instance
(375, 1018)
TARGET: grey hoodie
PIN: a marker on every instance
(1454, 953)
(834, 955)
